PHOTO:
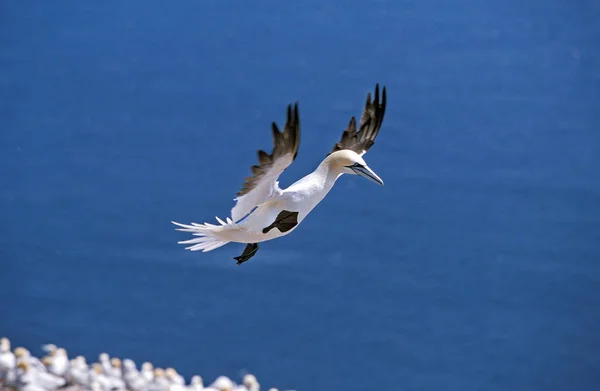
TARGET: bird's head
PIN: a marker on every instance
(115, 362)
(350, 162)
(21, 352)
(97, 368)
(4, 345)
(147, 366)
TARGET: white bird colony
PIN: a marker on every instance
(263, 211)
(21, 371)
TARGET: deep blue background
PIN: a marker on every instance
(477, 266)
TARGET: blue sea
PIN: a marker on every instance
(476, 266)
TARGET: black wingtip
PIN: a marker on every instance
(352, 124)
(383, 102)
(292, 114)
(296, 112)
(275, 129)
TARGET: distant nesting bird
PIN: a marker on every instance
(222, 383)
(8, 361)
(251, 383)
(23, 355)
(196, 384)
(58, 362)
(32, 379)
(147, 371)
(263, 211)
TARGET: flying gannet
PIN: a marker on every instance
(263, 211)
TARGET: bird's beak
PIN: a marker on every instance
(366, 172)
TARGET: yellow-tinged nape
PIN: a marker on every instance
(343, 158)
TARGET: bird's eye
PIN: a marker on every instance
(355, 165)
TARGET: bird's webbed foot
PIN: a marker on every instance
(248, 253)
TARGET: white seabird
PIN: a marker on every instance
(23, 355)
(147, 371)
(59, 362)
(132, 377)
(79, 372)
(196, 384)
(263, 211)
(8, 361)
(251, 383)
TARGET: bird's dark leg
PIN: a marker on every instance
(248, 253)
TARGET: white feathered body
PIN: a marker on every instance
(301, 197)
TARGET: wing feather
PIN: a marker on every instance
(263, 183)
(370, 122)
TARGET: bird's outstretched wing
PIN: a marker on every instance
(263, 182)
(360, 141)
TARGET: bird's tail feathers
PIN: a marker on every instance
(210, 236)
